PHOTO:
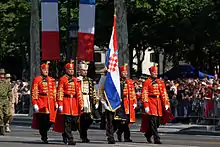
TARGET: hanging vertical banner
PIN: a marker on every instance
(86, 30)
(50, 30)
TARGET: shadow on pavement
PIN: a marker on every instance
(51, 142)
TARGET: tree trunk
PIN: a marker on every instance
(34, 44)
(122, 32)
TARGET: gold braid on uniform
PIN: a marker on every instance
(132, 90)
(133, 94)
(91, 89)
(163, 92)
(95, 97)
(60, 93)
(35, 92)
(80, 95)
(166, 97)
(55, 93)
(145, 95)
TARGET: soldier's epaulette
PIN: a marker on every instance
(161, 81)
(65, 76)
(158, 79)
(52, 79)
(129, 80)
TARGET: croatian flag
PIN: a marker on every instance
(50, 30)
(86, 30)
(112, 83)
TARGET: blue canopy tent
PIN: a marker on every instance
(187, 71)
(203, 75)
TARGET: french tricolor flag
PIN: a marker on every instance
(112, 83)
(86, 30)
(50, 30)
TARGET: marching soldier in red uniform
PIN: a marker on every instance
(90, 101)
(44, 102)
(70, 103)
(126, 113)
(156, 104)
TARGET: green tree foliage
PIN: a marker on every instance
(14, 26)
(14, 30)
(184, 29)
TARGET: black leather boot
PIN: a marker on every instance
(44, 140)
(157, 141)
(119, 136)
(2, 130)
(111, 141)
(128, 140)
(71, 142)
(149, 140)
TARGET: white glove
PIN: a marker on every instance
(135, 105)
(56, 106)
(106, 106)
(166, 107)
(96, 106)
(147, 110)
(36, 108)
(60, 108)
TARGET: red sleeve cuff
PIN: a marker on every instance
(146, 105)
(60, 103)
(34, 102)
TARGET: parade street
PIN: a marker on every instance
(22, 136)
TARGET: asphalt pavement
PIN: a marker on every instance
(172, 128)
(24, 136)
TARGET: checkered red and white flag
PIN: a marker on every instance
(112, 83)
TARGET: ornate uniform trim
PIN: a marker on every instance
(35, 91)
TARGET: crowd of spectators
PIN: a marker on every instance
(22, 96)
(195, 99)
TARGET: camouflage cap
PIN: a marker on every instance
(2, 71)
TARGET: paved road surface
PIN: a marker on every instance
(24, 136)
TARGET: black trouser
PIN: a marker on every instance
(154, 123)
(110, 125)
(69, 125)
(103, 122)
(123, 127)
(45, 125)
(85, 122)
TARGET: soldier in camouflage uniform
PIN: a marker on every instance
(12, 102)
(5, 96)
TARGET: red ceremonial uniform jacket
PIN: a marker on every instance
(44, 96)
(70, 96)
(129, 97)
(155, 96)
